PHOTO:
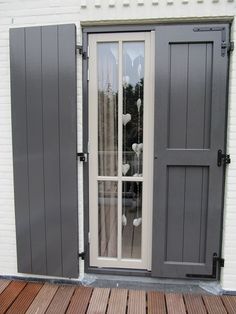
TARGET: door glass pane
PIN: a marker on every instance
(107, 108)
(131, 219)
(133, 79)
(107, 218)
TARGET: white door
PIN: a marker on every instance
(121, 80)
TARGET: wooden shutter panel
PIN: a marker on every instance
(43, 95)
(190, 126)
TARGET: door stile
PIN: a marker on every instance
(146, 179)
(148, 144)
(93, 166)
(120, 135)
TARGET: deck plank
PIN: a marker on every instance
(25, 298)
(98, 301)
(43, 299)
(214, 305)
(118, 301)
(175, 303)
(156, 302)
(229, 303)
(9, 295)
(35, 298)
(61, 300)
(194, 304)
(3, 284)
(80, 300)
(137, 302)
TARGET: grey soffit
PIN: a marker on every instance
(190, 95)
(43, 93)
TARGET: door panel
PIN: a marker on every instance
(120, 154)
(190, 119)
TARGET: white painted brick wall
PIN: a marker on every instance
(18, 13)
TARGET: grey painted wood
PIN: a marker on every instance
(43, 88)
(35, 148)
(51, 134)
(68, 150)
(20, 149)
(190, 121)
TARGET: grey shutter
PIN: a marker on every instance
(190, 122)
(43, 95)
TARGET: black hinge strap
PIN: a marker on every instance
(225, 47)
(217, 262)
(81, 52)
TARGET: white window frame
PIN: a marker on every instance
(148, 137)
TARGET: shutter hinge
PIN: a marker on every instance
(225, 47)
(222, 158)
(217, 263)
(82, 156)
(228, 46)
(231, 46)
(81, 255)
(81, 52)
(88, 237)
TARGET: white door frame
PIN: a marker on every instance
(148, 135)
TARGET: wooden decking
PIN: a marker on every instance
(17, 297)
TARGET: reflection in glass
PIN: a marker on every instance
(133, 74)
(107, 108)
(107, 218)
(131, 219)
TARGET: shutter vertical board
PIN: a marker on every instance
(20, 149)
(51, 133)
(33, 46)
(43, 92)
(68, 152)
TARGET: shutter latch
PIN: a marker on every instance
(222, 158)
(82, 157)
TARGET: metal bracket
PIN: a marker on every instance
(225, 47)
(81, 255)
(82, 156)
(231, 46)
(217, 262)
(222, 158)
(81, 52)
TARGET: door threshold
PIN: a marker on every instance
(148, 283)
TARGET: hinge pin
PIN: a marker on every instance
(81, 255)
(81, 52)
